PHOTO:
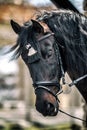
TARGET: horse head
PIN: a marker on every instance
(38, 51)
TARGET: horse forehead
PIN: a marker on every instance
(28, 23)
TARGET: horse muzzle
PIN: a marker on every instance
(47, 109)
(46, 102)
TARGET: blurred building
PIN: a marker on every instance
(12, 1)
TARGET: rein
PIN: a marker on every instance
(45, 84)
(72, 116)
(42, 86)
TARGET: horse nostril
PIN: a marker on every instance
(47, 108)
(50, 108)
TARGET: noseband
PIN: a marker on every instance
(45, 84)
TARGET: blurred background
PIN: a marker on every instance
(17, 98)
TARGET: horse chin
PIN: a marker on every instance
(54, 113)
(46, 103)
(48, 111)
(51, 113)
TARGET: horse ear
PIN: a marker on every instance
(16, 27)
(37, 26)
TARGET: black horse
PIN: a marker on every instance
(49, 55)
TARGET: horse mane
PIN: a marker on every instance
(70, 30)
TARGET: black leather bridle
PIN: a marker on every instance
(47, 84)
(43, 84)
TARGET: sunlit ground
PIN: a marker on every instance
(40, 127)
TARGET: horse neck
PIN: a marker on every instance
(75, 54)
(70, 31)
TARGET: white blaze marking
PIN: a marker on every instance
(28, 46)
(32, 51)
